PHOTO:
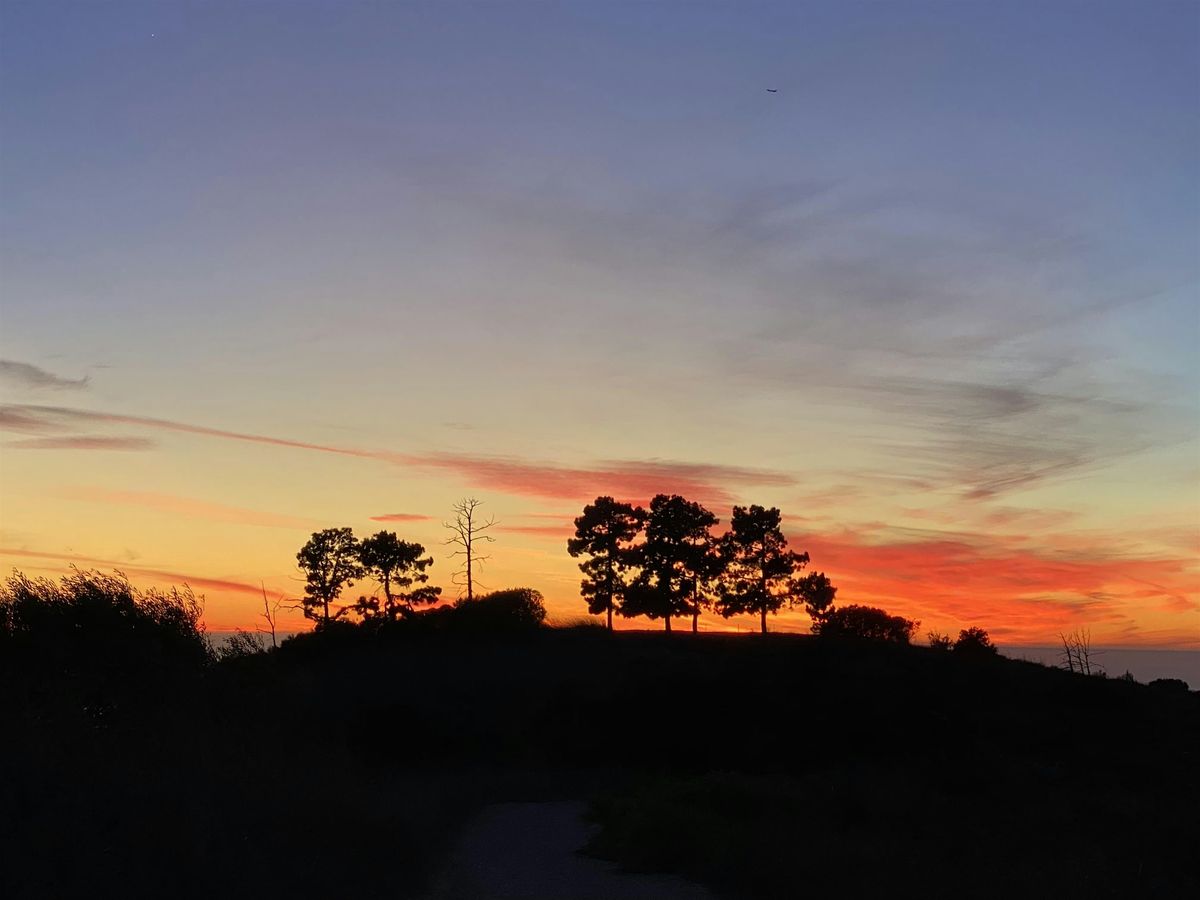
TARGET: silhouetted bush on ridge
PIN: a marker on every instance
(511, 609)
(865, 622)
(89, 620)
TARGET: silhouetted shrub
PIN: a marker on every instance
(239, 644)
(513, 609)
(89, 619)
(975, 642)
(1173, 685)
(939, 641)
(865, 622)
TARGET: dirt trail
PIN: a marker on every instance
(526, 851)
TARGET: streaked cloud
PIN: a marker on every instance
(401, 517)
(628, 479)
(1020, 590)
(83, 442)
(27, 375)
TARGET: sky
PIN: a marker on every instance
(922, 275)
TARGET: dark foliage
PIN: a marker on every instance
(330, 564)
(89, 622)
(865, 622)
(240, 644)
(398, 567)
(512, 609)
(604, 533)
(941, 642)
(816, 592)
(1169, 685)
(677, 561)
(760, 570)
(975, 642)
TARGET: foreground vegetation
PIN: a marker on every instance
(341, 763)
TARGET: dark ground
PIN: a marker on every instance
(347, 766)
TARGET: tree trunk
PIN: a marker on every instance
(695, 621)
(325, 621)
(764, 619)
(667, 619)
(470, 586)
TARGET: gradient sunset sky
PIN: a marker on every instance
(274, 267)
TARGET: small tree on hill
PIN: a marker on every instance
(399, 569)
(817, 593)
(330, 564)
(674, 560)
(760, 569)
(974, 642)
(605, 533)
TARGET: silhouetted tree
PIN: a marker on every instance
(399, 569)
(330, 564)
(817, 593)
(604, 533)
(1077, 652)
(467, 530)
(674, 560)
(760, 569)
(975, 641)
(865, 622)
(270, 614)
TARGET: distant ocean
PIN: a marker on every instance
(1144, 665)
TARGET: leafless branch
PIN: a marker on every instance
(466, 531)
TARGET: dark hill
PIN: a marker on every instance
(340, 763)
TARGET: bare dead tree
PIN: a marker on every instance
(466, 531)
(1077, 654)
(271, 614)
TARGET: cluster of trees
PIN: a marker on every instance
(334, 559)
(666, 562)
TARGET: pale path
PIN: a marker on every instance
(527, 851)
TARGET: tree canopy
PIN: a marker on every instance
(760, 568)
(866, 622)
(398, 567)
(330, 564)
(673, 559)
(604, 533)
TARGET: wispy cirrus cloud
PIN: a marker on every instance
(401, 517)
(628, 479)
(187, 507)
(27, 375)
(83, 442)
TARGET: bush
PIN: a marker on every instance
(1172, 685)
(513, 609)
(975, 642)
(239, 644)
(865, 622)
(939, 641)
(88, 621)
